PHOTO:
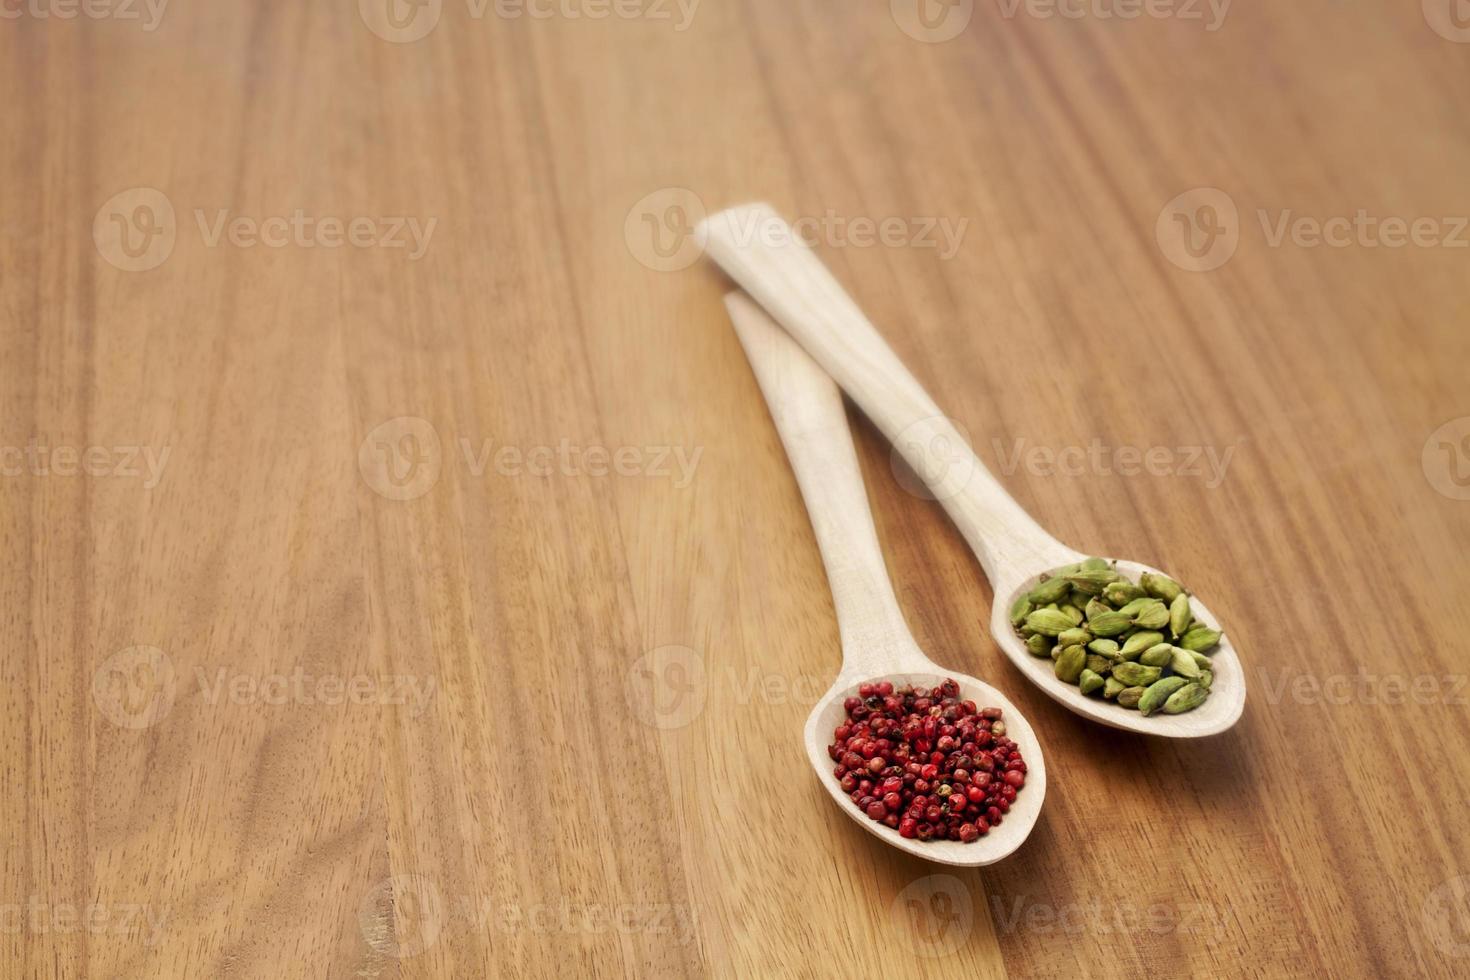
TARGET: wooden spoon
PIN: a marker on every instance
(759, 250)
(876, 643)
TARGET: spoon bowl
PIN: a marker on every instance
(1219, 712)
(1001, 840)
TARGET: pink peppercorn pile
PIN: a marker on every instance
(925, 763)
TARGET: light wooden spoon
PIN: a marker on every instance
(759, 250)
(876, 643)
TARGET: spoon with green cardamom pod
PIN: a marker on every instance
(1116, 641)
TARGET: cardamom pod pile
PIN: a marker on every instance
(1134, 643)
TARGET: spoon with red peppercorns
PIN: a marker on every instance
(937, 763)
(762, 253)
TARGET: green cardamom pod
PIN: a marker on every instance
(1199, 639)
(1092, 581)
(1074, 614)
(1049, 622)
(1079, 599)
(1089, 681)
(1152, 616)
(1109, 623)
(1121, 593)
(1206, 678)
(1020, 609)
(1069, 665)
(1096, 607)
(1136, 675)
(1074, 637)
(1180, 615)
(1139, 642)
(1204, 662)
(1094, 565)
(1111, 687)
(1158, 693)
(1159, 586)
(1049, 591)
(1158, 655)
(1106, 648)
(1038, 645)
(1130, 696)
(1183, 664)
(1187, 698)
(1132, 608)
(1099, 664)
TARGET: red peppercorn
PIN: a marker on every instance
(925, 763)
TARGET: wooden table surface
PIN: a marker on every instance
(404, 577)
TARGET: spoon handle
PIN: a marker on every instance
(759, 250)
(807, 409)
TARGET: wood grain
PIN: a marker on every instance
(601, 773)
